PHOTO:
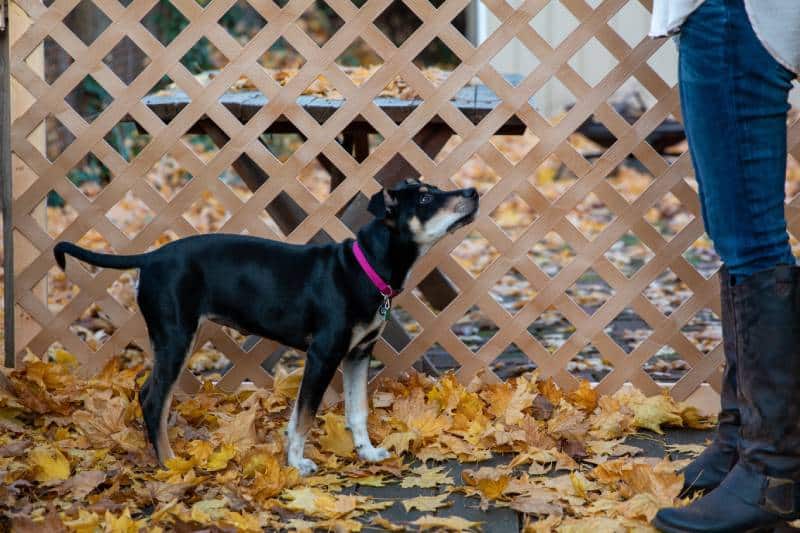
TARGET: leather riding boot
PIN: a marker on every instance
(710, 467)
(763, 489)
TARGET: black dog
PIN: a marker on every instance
(318, 298)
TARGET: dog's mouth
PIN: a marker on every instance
(468, 218)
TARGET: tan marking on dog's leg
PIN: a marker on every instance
(297, 430)
(357, 408)
(164, 448)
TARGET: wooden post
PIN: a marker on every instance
(5, 179)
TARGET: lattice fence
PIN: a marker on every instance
(35, 175)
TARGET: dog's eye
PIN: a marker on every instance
(425, 199)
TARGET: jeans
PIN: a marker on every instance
(734, 98)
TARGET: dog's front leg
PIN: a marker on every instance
(321, 364)
(356, 368)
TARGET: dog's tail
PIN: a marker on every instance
(97, 259)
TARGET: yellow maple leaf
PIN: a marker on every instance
(426, 503)
(490, 481)
(220, 458)
(86, 522)
(584, 397)
(336, 438)
(122, 523)
(398, 441)
(199, 450)
(48, 464)
(451, 523)
(656, 411)
(426, 478)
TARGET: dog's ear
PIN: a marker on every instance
(382, 204)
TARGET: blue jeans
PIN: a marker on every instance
(734, 98)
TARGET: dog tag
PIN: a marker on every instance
(386, 308)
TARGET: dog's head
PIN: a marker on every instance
(424, 211)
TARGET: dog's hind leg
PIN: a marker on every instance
(356, 367)
(321, 362)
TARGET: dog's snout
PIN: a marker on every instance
(469, 193)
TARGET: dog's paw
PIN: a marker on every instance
(372, 454)
(304, 466)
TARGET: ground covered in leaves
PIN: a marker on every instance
(73, 455)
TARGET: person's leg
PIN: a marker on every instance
(735, 103)
(734, 98)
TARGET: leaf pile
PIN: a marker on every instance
(73, 455)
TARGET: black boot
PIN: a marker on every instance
(710, 467)
(763, 489)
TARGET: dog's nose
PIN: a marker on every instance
(469, 193)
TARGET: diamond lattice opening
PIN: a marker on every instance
(167, 177)
(321, 179)
(59, 60)
(511, 362)
(663, 61)
(128, 139)
(154, 22)
(628, 330)
(207, 214)
(629, 254)
(436, 362)
(590, 365)
(590, 291)
(552, 100)
(398, 22)
(243, 88)
(282, 145)
(86, 10)
(513, 216)
(476, 173)
(205, 147)
(551, 329)
(202, 58)
(359, 61)
(57, 290)
(131, 215)
(622, 22)
(127, 60)
(242, 21)
(286, 203)
(53, 214)
(474, 329)
(515, 61)
(554, 23)
(514, 147)
(669, 216)
(630, 179)
(443, 67)
(704, 330)
(432, 283)
(90, 176)
(320, 22)
(124, 288)
(89, 99)
(440, 127)
(702, 256)
(668, 292)
(94, 327)
(51, 137)
(208, 363)
(409, 323)
(593, 61)
(475, 253)
(591, 216)
(553, 178)
(666, 366)
(513, 291)
(551, 254)
(282, 61)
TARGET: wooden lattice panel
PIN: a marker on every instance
(34, 244)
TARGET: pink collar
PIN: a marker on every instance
(384, 288)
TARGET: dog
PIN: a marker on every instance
(331, 301)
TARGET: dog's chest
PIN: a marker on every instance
(364, 333)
